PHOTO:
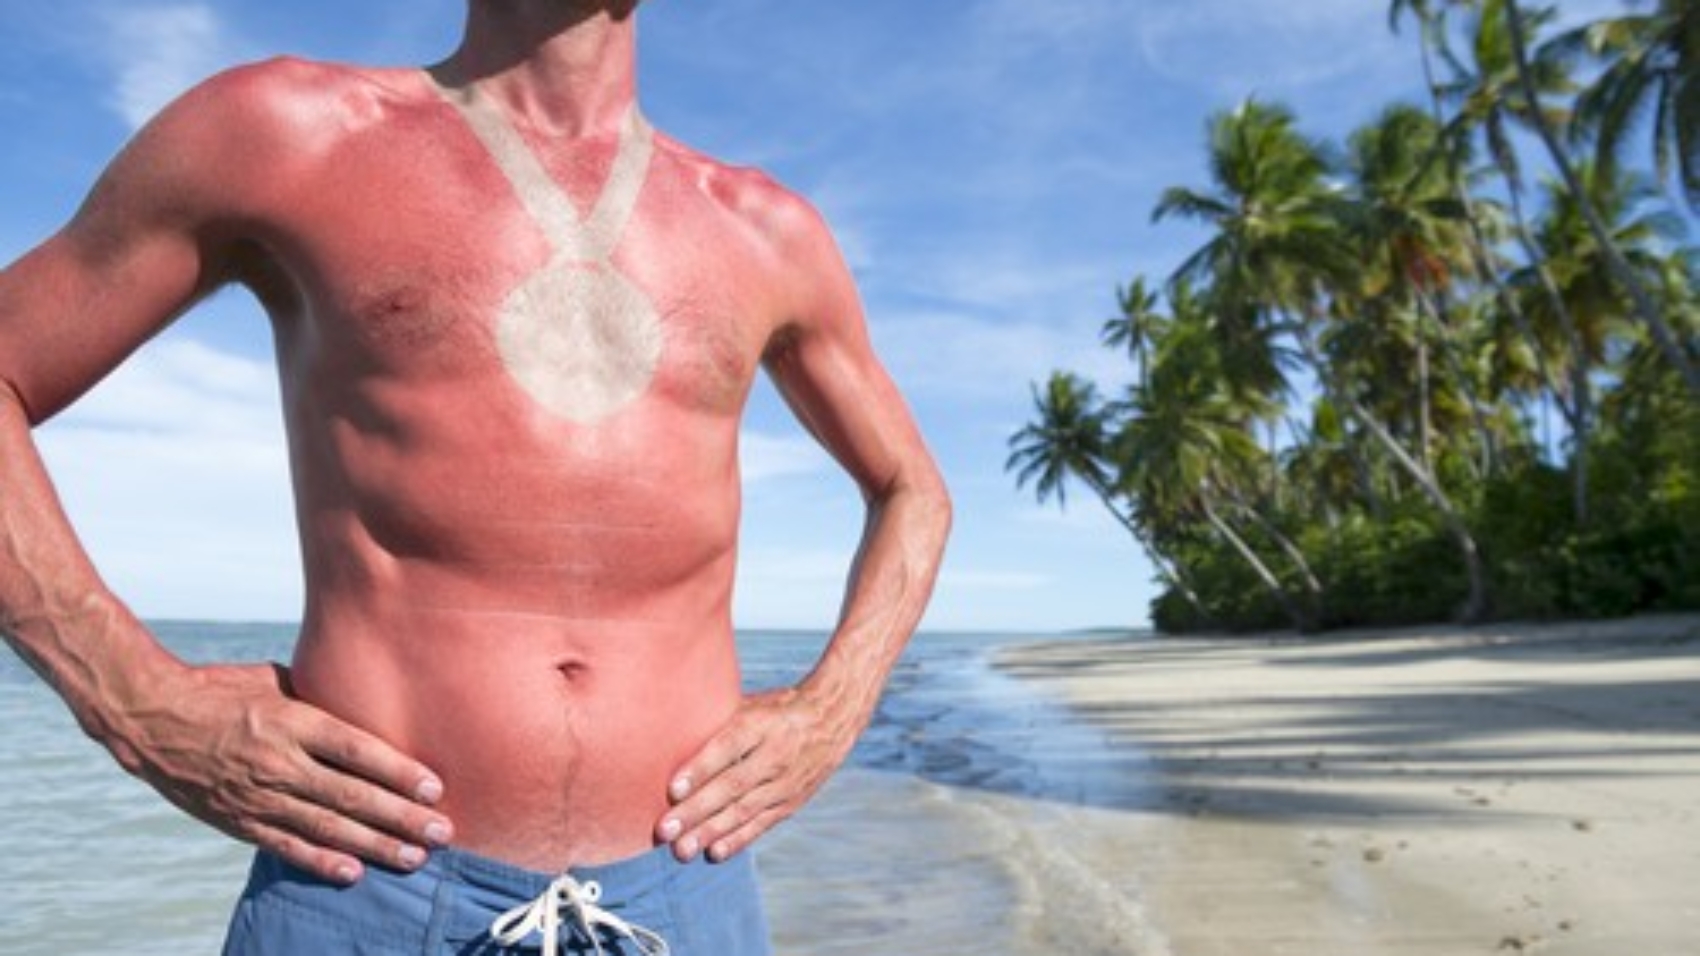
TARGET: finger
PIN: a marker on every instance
(732, 809)
(356, 775)
(739, 840)
(392, 830)
(714, 794)
(725, 751)
(321, 829)
(355, 751)
(326, 864)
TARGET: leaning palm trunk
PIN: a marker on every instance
(1433, 312)
(1646, 310)
(1425, 414)
(1171, 572)
(1486, 272)
(1174, 574)
(1365, 475)
(1577, 417)
(1578, 410)
(1258, 567)
(1285, 543)
(1427, 40)
(1314, 613)
(1475, 605)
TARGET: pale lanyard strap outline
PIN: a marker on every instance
(592, 239)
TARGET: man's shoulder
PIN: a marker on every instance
(752, 197)
(785, 235)
(282, 99)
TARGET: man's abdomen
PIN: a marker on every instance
(539, 612)
(555, 736)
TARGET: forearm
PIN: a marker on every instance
(229, 745)
(890, 584)
(783, 745)
(55, 612)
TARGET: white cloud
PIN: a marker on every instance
(952, 355)
(781, 586)
(1014, 25)
(185, 389)
(159, 51)
(992, 580)
(176, 475)
(797, 566)
(765, 457)
(1241, 46)
(1080, 513)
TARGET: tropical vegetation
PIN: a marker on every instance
(1448, 369)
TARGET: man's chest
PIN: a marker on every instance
(452, 267)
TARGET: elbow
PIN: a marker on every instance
(940, 506)
(924, 500)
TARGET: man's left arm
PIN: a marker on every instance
(783, 745)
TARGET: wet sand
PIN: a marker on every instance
(1431, 792)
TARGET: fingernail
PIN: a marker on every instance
(671, 829)
(681, 788)
(412, 857)
(688, 849)
(437, 833)
(347, 875)
(430, 790)
(719, 852)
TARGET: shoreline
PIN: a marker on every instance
(1433, 791)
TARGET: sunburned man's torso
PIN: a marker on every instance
(514, 445)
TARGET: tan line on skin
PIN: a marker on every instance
(580, 338)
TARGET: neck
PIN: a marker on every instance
(566, 67)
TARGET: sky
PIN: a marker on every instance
(988, 166)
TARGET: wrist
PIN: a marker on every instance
(844, 703)
(112, 673)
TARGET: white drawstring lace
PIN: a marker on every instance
(578, 901)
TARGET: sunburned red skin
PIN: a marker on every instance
(519, 585)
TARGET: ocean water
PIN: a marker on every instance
(973, 817)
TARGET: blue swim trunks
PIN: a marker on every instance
(465, 905)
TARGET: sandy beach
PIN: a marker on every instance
(1431, 792)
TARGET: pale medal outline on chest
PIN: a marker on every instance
(577, 336)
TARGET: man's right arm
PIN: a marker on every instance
(230, 745)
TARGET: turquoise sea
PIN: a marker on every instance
(955, 828)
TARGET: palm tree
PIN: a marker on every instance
(1477, 92)
(1646, 309)
(1245, 365)
(1411, 230)
(1644, 373)
(1137, 326)
(1327, 464)
(1069, 440)
(1278, 248)
(1066, 441)
(1272, 208)
(1183, 440)
(1431, 22)
(1491, 92)
(1637, 227)
(1653, 67)
(1452, 153)
(1250, 510)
